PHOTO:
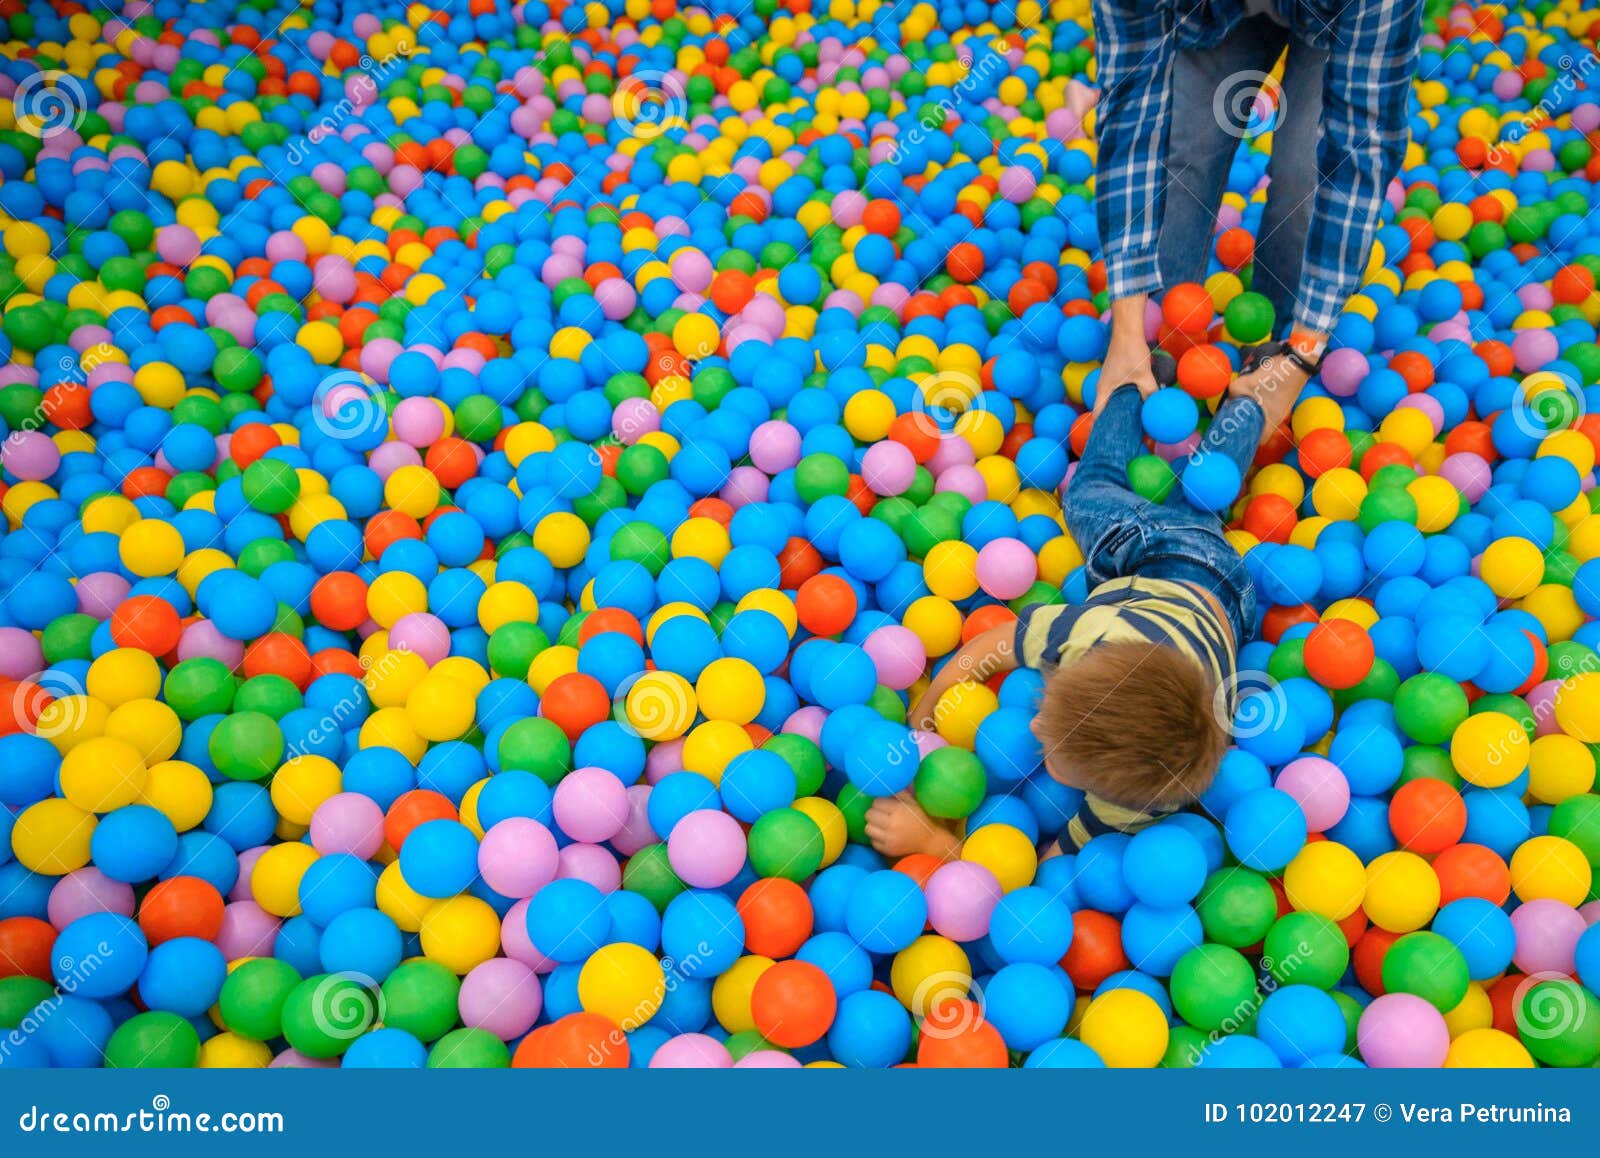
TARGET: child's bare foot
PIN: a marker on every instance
(898, 827)
(1274, 385)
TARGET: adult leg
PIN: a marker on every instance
(1281, 247)
(1212, 90)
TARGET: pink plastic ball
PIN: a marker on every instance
(706, 848)
(1319, 787)
(347, 822)
(517, 857)
(84, 891)
(1006, 568)
(691, 1051)
(775, 446)
(898, 654)
(1402, 1031)
(502, 996)
(592, 863)
(591, 805)
(962, 896)
(1547, 934)
(888, 468)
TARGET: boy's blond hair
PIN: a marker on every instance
(1135, 723)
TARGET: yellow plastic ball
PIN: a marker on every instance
(1512, 567)
(275, 880)
(441, 708)
(623, 982)
(413, 489)
(1337, 493)
(460, 933)
(52, 837)
(1487, 1049)
(149, 725)
(710, 746)
(936, 622)
(730, 689)
(661, 705)
(930, 970)
(122, 676)
(70, 720)
(962, 709)
(399, 901)
(229, 1051)
(179, 791)
(730, 993)
(1402, 892)
(1126, 1028)
(830, 821)
(951, 570)
(1473, 1011)
(696, 336)
(1553, 868)
(1578, 707)
(103, 774)
(1559, 767)
(562, 537)
(1006, 852)
(1490, 749)
(1326, 878)
(301, 785)
(151, 547)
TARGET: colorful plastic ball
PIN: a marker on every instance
(1125, 1028)
(1265, 829)
(1164, 866)
(706, 848)
(1401, 1030)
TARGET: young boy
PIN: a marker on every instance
(1137, 699)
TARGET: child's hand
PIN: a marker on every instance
(897, 827)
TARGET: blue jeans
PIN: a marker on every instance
(1210, 89)
(1122, 533)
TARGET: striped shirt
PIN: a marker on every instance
(1372, 47)
(1132, 609)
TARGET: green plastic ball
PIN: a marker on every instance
(785, 843)
(155, 1040)
(950, 783)
(1236, 906)
(420, 998)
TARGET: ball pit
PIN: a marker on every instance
(483, 484)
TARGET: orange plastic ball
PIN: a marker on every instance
(955, 1036)
(1339, 654)
(339, 601)
(793, 1004)
(1187, 308)
(1322, 450)
(1427, 816)
(1472, 870)
(25, 944)
(825, 604)
(412, 808)
(147, 623)
(181, 907)
(1096, 950)
(578, 1041)
(1204, 371)
(574, 703)
(777, 917)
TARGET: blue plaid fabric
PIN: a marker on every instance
(1372, 46)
